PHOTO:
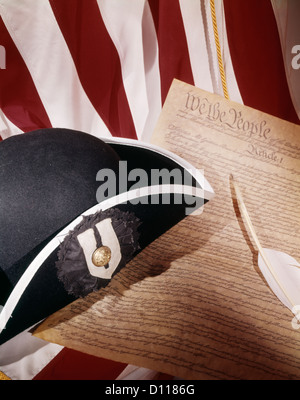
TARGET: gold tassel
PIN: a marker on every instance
(4, 377)
(219, 54)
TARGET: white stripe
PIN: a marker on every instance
(7, 128)
(194, 28)
(287, 14)
(152, 73)
(55, 242)
(24, 356)
(35, 32)
(133, 373)
(131, 29)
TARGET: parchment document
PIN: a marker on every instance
(194, 304)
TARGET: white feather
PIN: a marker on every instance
(281, 271)
(287, 271)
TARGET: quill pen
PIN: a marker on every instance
(281, 271)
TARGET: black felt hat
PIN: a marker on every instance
(74, 210)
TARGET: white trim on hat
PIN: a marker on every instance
(172, 156)
(30, 272)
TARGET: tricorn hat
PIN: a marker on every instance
(75, 209)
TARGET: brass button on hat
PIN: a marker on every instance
(101, 256)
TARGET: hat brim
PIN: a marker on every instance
(39, 292)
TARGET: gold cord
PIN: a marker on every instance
(3, 377)
(217, 41)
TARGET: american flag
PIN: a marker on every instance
(105, 67)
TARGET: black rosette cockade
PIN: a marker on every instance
(112, 229)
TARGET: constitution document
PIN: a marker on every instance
(194, 303)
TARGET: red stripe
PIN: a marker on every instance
(174, 61)
(73, 365)
(97, 62)
(257, 57)
(19, 99)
